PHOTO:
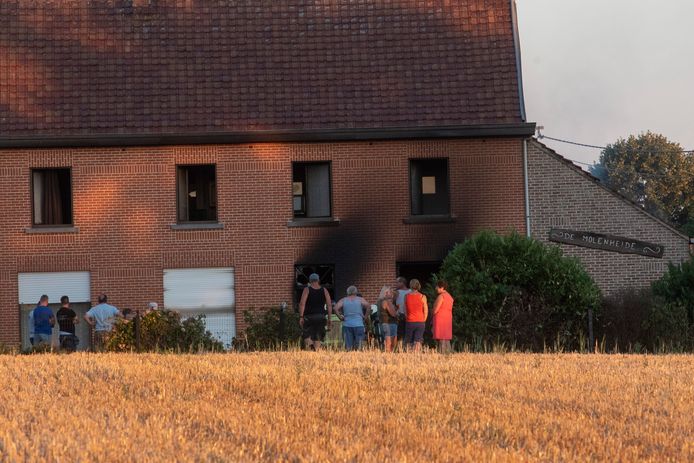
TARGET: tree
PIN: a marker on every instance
(653, 172)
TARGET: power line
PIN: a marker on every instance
(585, 145)
(540, 135)
(610, 171)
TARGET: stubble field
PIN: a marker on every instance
(303, 406)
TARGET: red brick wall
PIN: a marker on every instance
(563, 197)
(125, 201)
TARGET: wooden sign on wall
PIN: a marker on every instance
(606, 242)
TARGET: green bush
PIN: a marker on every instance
(263, 329)
(677, 287)
(163, 330)
(515, 291)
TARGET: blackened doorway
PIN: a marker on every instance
(423, 271)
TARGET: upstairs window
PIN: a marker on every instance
(197, 193)
(429, 187)
(311, 189)
(51, 196)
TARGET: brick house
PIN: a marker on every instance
(210, 157)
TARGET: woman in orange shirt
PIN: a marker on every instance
(416, 312)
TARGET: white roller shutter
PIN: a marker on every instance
(75, 285)
(206, 291)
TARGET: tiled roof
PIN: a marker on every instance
(78, 67)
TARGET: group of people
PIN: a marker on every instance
(400, 318)
(100, 317)
(402, 312)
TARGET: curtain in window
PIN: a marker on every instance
(37, 183)
(318, 190)
(48, 201)
(52, 200)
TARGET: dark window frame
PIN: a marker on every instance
(179, 221)
(298, 270)
(305, 195)
(447, 184)
(69, 224)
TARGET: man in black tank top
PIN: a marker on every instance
(312, 312)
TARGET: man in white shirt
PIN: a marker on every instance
(101, 318)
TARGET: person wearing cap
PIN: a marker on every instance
(312, 312)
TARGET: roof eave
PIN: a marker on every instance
(522, 129)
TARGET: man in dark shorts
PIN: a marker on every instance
(67, 318)
(312, 312)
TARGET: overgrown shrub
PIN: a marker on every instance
(667, 329)
(677, 287)
(622, 323)
(263, 329)
(516, 291)
(163, 330)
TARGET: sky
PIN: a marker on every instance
(595, 71)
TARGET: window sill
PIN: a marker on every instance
(57, 229)
(314, 222)
(197, 226)
(438, 218)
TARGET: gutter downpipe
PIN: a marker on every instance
(521, 101)
(525, 186)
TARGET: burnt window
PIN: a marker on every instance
(423, 271)
(197, 193)
(429, 186)
(326, 272)
(51, 196)
(311, 189)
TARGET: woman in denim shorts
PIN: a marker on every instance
(388, 316)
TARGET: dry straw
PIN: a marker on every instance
(329, 406)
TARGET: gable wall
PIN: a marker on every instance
(562, 197)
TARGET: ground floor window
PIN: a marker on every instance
(204, 291)
(75, 285)
(326, 272)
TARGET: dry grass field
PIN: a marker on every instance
(303, 406)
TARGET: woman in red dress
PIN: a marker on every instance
(442, 323)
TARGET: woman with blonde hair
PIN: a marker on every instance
(416, 312)
(388, 316)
